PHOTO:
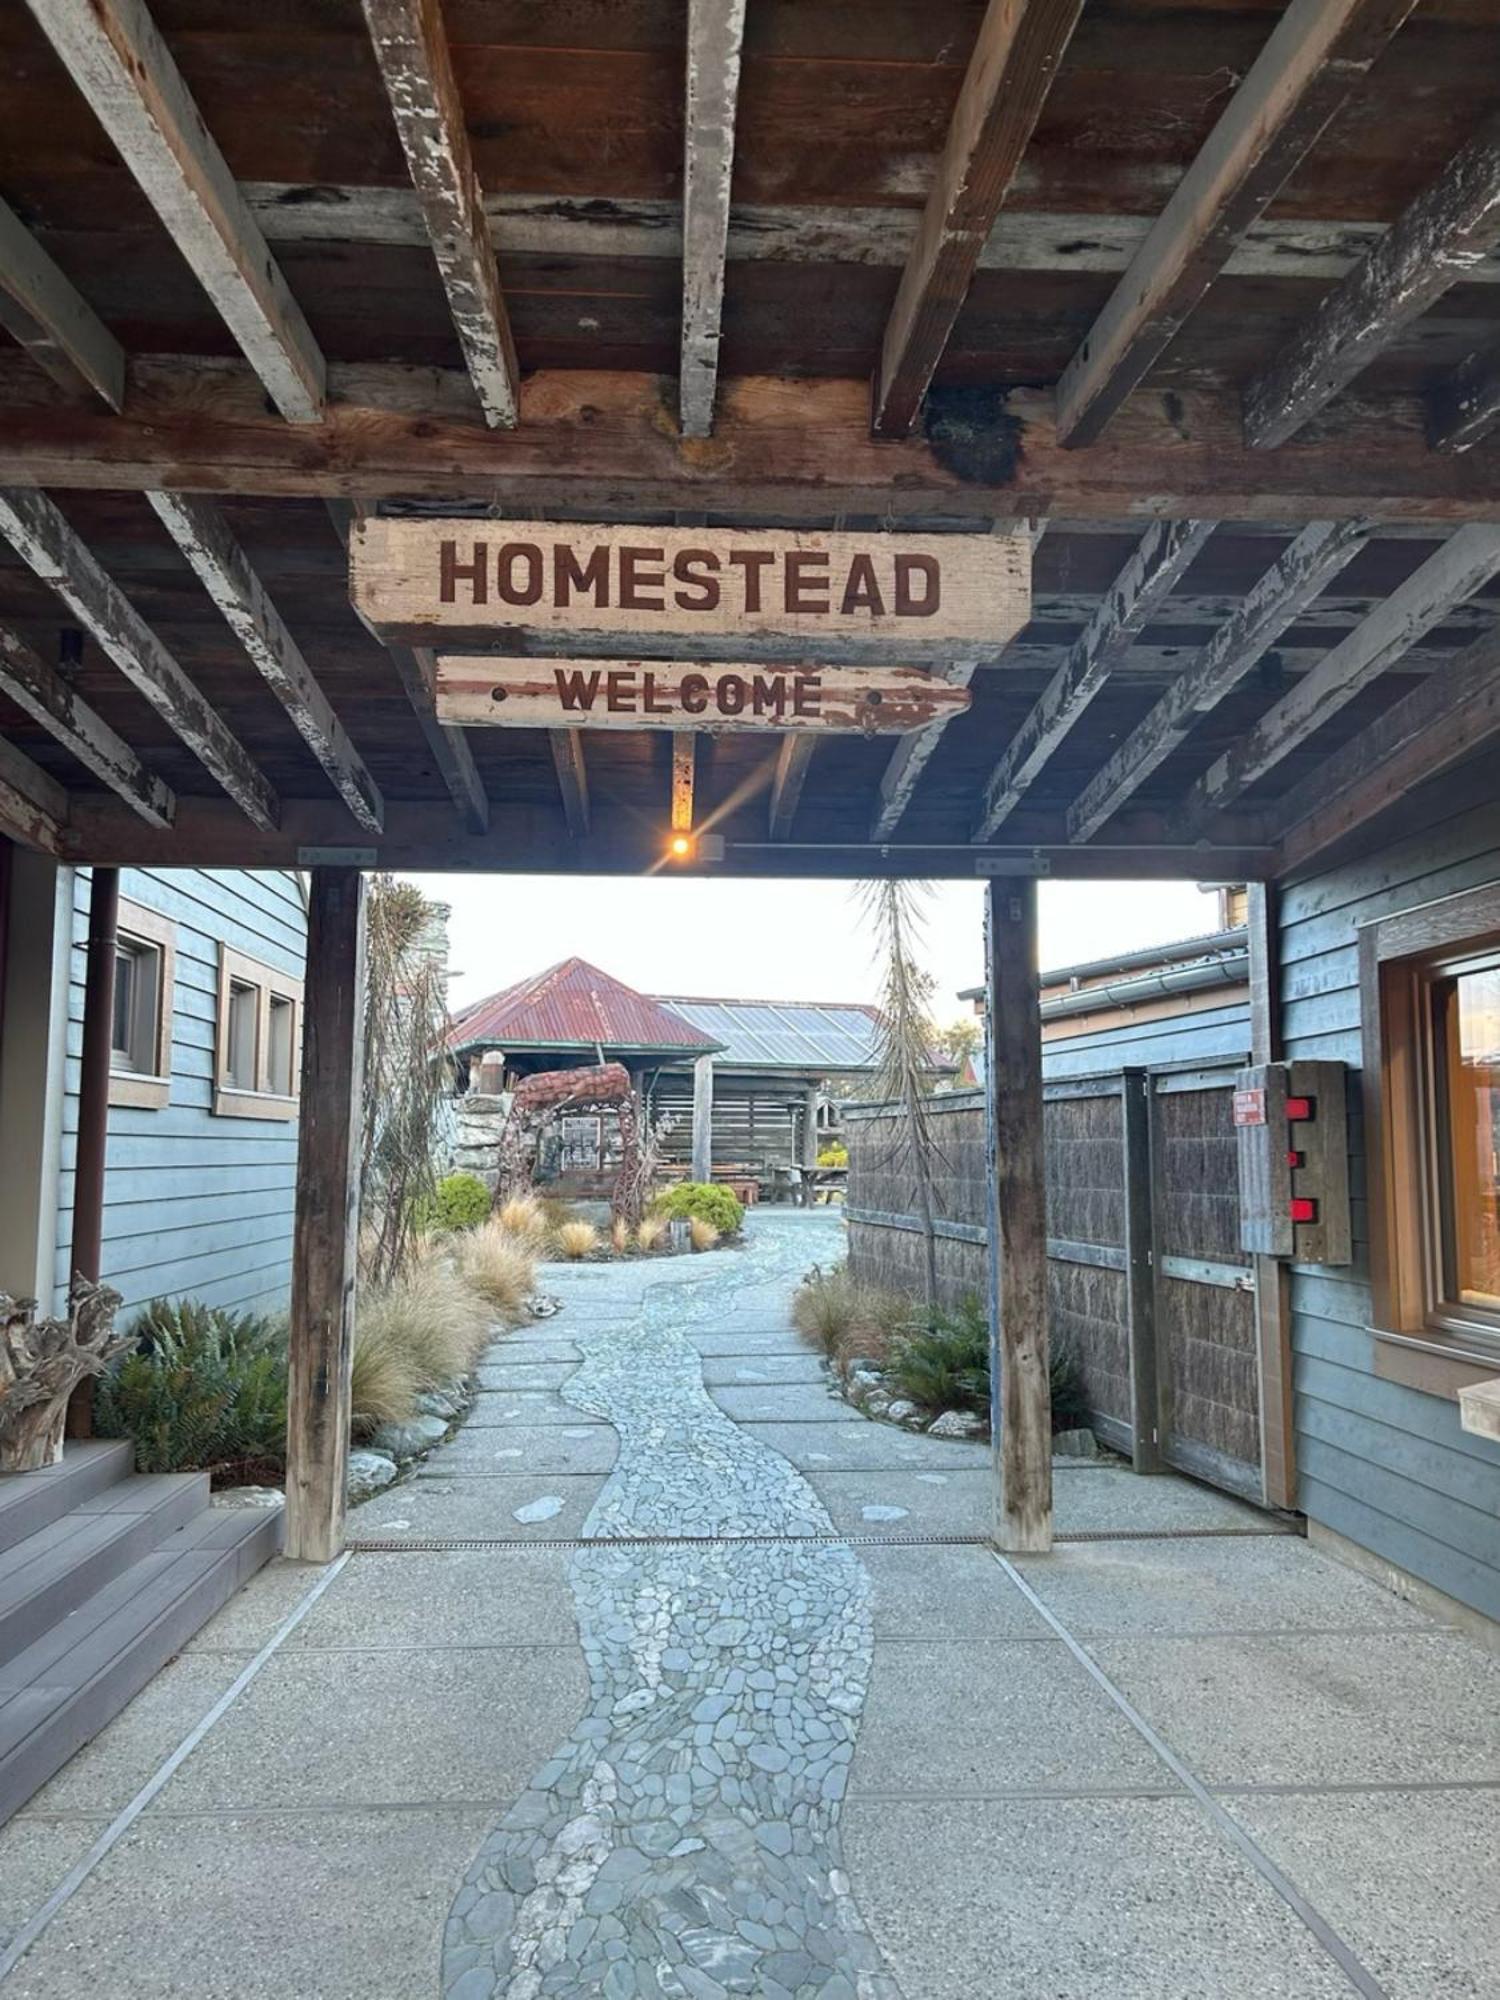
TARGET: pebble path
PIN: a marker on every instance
(683, 1843)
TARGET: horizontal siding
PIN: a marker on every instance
(1221, 1034)
(193, 1204)
(1384, 1465)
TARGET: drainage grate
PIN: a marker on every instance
(442, 1544)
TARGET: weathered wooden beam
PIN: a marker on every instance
(34, 807)
(41, 536)
(790, 450)
(224, 570)
(910, 758)
(116, 57)
(793, 762)
(703, 1118)
(571, 764)
(52, 320)
(715, 31)
(1153, 571)
(1305, 568)
(411, 48)
(1015, 58)
(1432, 245)
(1020, 1379)
(28, 681)
(1460, 566)
(1466, 407)
(1454, 713)
(1315, 56)
(1140, 1270)
(1273, 1302)
(684, 769)
(325, 1230)
(417, 673)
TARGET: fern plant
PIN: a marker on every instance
(201, 1389)
(944, 1364)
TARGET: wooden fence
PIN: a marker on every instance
(1147, 1283)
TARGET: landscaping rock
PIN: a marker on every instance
(541, 1307)
(902, 1411)
(877, 1403)
(411, 1439)
(445, 1403)
(369, 1471)
(249, 1496)
(1074, 1444)
(957, 1424)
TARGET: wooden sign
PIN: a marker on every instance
(688, 694)
(782, 593)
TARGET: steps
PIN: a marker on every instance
(105, 1574)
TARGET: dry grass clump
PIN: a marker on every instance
(384, 1374)
(650, 1232)
(619, 1236)
(424, 1328)
(844, 1318)
(499, 1265)
(522, 1217)
(576, 1239)
(703, 1232)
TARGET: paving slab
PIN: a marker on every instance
(886, 1501)
(1265, 1584)
(743, 1371)
(1074, 1899)
(1388, 1707)
(438, 1727)
(587, 1446)
(260, 1906)
(1091, 1496)
(946, 1593)
(35, 1855)
(496, 1404)
(538, 1344)
(718, 1340)
(258, 1609)
(843, 1447)
(803, 1403)
(514, 1371)
(484, 1507)
(450, 1597)
(1408, 1879)
(986, 1716)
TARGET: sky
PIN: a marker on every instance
(772, 940)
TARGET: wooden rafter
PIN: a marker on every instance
(793, 761)
(1454, 712)
(411, 48)
(715, 31)
(795, 450)
(115, 55)
(52, 320)
(417, 672)
(1466, 407)
(910, 758)
(1306, 567)
(1316, 54)
(1464, 562)
(42, 537)
(224, 570)
(1152, 573)
(33, 685)
(1429, 248)
(571, 765)
(34, 808)
(1015, 59)
(684, 770)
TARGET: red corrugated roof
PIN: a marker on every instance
(572, 1006)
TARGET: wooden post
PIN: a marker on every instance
(93, 1106)
(1021, 1388)
(326, 1231)
(1140, 1272)
(1273, 1286)
(703, 1118)
(809, 1151)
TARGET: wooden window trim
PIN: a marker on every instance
(1394, 953)
(135, 1088)
(231, 1100)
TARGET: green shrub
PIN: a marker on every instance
(719, 1205)
(946, 1366)
(203, 1390)
(459, 1201)
(835, 1154)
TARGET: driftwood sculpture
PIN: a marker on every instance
(42, 1361)
(541, 1099)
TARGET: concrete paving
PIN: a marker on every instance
(776, 1763)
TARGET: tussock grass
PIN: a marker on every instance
(522, 1217)
(575, 1240)
(385, 1377)
(703, 1233)
(650, 1232)
(499, 1265)
(845, 1319)
(619, 1236)
(441, 1321)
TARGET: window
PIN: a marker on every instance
(260, 1022)
(140, 1061)
(1431, 1008)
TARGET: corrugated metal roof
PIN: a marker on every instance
(573, 1006)
(817, 1035)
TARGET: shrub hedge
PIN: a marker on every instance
(719, 1205)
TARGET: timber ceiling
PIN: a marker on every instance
(970, 223)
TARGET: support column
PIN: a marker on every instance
(1021, 1389)
(326, 1231)
(703, 1118)
(1140, 1270)
(1273, 1279)
(93, 1108)
(809, 1158)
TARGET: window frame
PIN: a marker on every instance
(231, 1098)
(148, 1090)
(1422, 1339)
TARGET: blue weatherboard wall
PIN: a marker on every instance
(193, 1204)
(1385, 1465)
(1217, 1035)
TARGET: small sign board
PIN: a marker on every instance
(479, 689)
(1250, 1106)
(785, 593)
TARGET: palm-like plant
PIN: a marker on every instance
(904, 1044)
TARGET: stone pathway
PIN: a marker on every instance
(1167, 1765)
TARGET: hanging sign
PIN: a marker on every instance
(478, 689)
(887, 595)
